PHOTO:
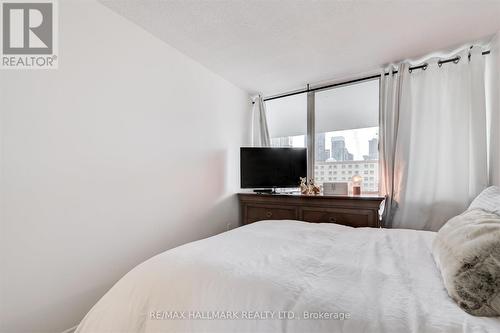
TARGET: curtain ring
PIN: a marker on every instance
(440, 63)
(409, 69)
(425, 66)
(456, 60)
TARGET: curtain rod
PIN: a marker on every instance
(365, 78)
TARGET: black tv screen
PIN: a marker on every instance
(272, 167)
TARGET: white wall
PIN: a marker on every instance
(127, 150)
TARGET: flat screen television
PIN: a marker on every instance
(272, 167)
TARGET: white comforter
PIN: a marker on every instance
(250, 279)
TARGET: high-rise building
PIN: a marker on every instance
(338, 148)
(339, 151)
(333, 171)
(373, 149)
(321, 152)
(284, 142)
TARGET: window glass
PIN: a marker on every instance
(287, 121)
(347, 132)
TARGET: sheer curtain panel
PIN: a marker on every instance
(441, 150)
(260, 131)
(433, 140)
(390, 92)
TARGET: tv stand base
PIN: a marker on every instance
(266, 191)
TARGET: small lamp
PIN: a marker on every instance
(356, 184)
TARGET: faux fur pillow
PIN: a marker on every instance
(467, 251)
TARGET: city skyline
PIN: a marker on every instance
(347, 145)
(339, 155)
(362, 143)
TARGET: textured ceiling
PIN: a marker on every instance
(274, 46)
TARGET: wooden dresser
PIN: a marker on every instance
(355, 211)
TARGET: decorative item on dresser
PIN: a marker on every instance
(357, 180)
(335, 188)
(355, 211)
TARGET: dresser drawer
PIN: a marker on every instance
(256, 213)
(355, 211)
(349, 217)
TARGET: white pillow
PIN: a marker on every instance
(488, 200)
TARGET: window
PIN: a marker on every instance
(346, 125)
(346, 130)
(287, 121)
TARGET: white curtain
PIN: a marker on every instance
(440, 156)
(493, 108)
(260, 131)
(390, 92)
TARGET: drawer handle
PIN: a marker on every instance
(332, 220)
(269, 214)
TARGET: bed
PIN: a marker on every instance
(288, 276)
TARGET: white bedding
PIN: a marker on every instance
(378, 280)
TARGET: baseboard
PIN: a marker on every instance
(70, 330)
